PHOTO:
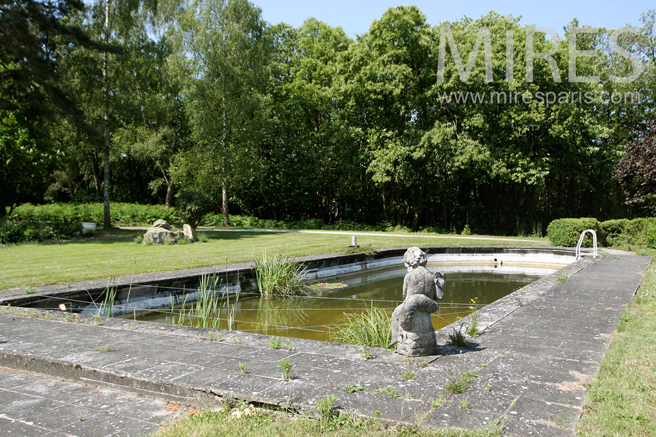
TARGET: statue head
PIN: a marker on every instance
(414, 257)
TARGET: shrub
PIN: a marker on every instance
(192, 207)
(566, 232)
(25, 228)
(121, 213)
(637, 232)
(612, 229)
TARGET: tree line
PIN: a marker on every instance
(141, 100)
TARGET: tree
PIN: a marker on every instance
(636, 170)
(224, 45)
(395, 71)
(32, 99)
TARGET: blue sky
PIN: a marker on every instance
(355, 16)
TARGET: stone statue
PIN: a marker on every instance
(412, 328)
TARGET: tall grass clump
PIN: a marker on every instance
(107, 307)
(206, 312)
(280, 276)
(371, 327)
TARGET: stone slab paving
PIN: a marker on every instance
(37, 405)
(540, 345)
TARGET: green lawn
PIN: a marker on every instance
(622, 397)
(114, 254)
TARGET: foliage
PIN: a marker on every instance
(614, 233)
(224, 46)
(279, 276)
(636, 169)
(306, 128)
(461, 382)
(566, 232)
(287, 369)
(123, 214)
(192, 207)
(326, 407)
(371, 327)
(636, 232)
(457, 338)
(274, 423)
(27, 228)
(472, 329)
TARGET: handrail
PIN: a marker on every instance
(594, 243)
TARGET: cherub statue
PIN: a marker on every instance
(412, 329)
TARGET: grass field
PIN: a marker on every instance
(112, 253)
(622, 397)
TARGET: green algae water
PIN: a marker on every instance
(313, 317)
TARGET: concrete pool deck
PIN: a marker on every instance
(539, 347)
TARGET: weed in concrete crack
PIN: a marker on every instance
(457, 338)
(287, 369)
(459, 385)
(354, 388)
(274, 343)
(464, 404)
(106, 348)
(241, 367)
(366, 353)
(436, 403)
(472, 329)
(389, 391)
(563, 277)
(408, 374)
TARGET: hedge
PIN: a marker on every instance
(120, 213)
(636, 232)
(566, 232)
(618, 233)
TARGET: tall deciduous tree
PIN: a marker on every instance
(224, 45)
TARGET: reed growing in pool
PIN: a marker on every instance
(370, 327)
(210, 303)
(280, 276)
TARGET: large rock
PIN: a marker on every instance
(157, 236)
(161, 231)
(188, 232)
(162, 224)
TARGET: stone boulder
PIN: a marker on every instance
(188, 232)
(162, 224)
(161, 231)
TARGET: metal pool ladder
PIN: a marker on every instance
(594, 243)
